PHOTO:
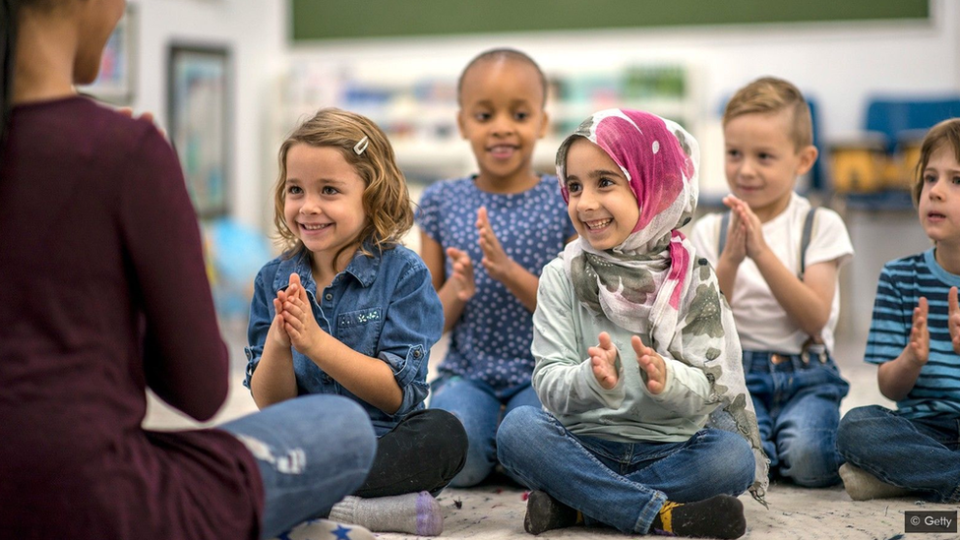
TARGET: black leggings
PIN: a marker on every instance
(422, 453)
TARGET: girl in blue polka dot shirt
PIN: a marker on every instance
(485, 239)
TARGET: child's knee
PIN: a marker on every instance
(855, 427)
(740, 468)
(811, 461)
(516, 434)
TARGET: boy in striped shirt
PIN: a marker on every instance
(915, 339)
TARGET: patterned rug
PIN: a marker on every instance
(495, 512)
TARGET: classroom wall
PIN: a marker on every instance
(840, 64)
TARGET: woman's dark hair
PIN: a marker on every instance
(8, 38)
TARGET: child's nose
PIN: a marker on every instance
(937, 190)
(309, 206)
(502, 124)
(586, 201)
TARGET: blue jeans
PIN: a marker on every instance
(312, 451)
(479, 409)
(622, 485)
(920, 454)
(798, 410)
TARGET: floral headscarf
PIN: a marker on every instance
(653, 282)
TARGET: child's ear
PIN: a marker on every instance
(460, 124)
(808, 156)
(544, 124)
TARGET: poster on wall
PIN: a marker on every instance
(115, 82)
(199, 121)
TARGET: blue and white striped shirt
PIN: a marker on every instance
(902, 283)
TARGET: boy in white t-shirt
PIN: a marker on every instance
(777, 262)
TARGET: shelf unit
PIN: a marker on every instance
(419, 114)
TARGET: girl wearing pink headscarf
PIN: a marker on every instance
(636, 352)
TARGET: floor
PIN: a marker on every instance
(494, 511)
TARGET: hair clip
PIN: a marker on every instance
(362, 145)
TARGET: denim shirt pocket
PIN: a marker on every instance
(360, 330)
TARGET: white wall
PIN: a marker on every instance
(255, 33)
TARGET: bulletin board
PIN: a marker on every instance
(350, 19)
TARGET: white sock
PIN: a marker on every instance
(414, 513)
(863, 486)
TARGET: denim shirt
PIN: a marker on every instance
(383, 306)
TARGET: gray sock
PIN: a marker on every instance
(414, 513)
(863, 486)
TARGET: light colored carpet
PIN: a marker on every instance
(495, 512)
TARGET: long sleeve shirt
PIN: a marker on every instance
(628, 412)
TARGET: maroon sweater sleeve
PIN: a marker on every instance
(185, 359)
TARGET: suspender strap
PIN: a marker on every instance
(805, 239)
(724, 225)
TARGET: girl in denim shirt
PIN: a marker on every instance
(346, 310)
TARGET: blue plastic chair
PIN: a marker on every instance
(893, 116)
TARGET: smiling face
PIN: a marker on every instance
(323, 202)
(939, 204)
(501, 114)
(602, 206)
(762, 162)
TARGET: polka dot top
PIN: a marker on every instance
(491, 341)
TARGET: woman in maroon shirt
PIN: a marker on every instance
(102, 294)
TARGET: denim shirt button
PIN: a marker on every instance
(417, 353)
(328, 296)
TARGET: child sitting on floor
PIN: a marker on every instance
(635, 350)
(915, 339)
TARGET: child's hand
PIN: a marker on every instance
(918, 349)
(736, 247)
(276, 331)
(652, 363)
(754, 242)
(305, 334)
(953, 318)
(495, 259)
(462, 278)
(603, 359)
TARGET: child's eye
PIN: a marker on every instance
(329, 190)
(521, 116)
(573, 187)
(733, 153)
(605, 182)
(481, 117)
(956, 180)
(765, 156)
(294, 190)
(930, 179)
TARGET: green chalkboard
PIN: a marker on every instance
(346, 19)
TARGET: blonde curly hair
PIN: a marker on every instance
(386, 200)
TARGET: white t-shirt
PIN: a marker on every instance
(762, 323)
